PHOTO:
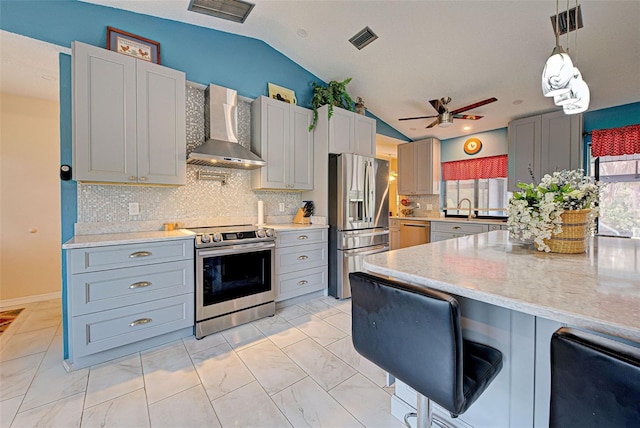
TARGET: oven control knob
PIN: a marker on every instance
(270, 233)
(217, 237)
(261, 233)
(205, 238)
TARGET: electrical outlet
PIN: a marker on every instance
(281, 207)
(134, 208)
(430, 207)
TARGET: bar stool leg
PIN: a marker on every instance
(423, 413)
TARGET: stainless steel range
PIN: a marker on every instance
(234, 276)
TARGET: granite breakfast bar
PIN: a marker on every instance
(513, 298)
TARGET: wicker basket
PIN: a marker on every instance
(575, 231)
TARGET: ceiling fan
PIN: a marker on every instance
(445, 117)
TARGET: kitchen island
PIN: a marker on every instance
(513, 298)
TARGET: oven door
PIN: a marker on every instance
(232, 278)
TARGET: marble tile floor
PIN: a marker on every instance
(296, 369)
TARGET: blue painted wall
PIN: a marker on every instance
(494, 143)
(205, 55)
(613, 117)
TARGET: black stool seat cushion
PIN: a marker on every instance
(595, 381)
(415, 334)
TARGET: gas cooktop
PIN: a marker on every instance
(215, 236)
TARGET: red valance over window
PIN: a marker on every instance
(616, 141)
(471, 169)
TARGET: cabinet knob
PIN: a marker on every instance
(303, 257)
(456, 227)
(140, 322)
(133, 178)
(303, 282)
(142, 178)
(301, 237)
(140, 284)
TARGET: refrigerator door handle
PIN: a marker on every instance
(374, 232)
(359, 252)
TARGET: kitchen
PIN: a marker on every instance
(113, 205)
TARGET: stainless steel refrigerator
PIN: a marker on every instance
(358, 216)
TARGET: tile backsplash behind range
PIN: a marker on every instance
(105, 208)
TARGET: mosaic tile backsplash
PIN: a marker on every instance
(105, 208)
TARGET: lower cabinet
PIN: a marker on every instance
(125, 298)
(394, 233)
(441, 230)
(301, 262)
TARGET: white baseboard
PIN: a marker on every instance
(30, 299)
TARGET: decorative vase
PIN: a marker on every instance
(574, 235)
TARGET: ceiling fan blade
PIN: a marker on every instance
(467, 116)
(475, 105)
(439, 106)
(420, 117)
(434, 123)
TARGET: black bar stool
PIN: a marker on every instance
(415, 334)
(595, 381)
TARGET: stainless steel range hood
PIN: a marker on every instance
(221, 147)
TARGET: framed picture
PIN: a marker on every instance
(282, 94)
(132, 45)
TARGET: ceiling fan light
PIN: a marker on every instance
(446, 120)
(557, 73)
(583, 98)
(571, 96)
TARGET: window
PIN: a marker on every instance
(482, 181)
(620, 198)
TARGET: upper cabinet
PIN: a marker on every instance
(419, 167)
(347, 132)
(280, 135)
(128, 119)
(545, 143)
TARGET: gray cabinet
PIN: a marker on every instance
(347, 132)
(280, 135)
(441, 230)
(128, 119)
(124, 298)
(545, 143)
(419, 167)
(394, 233)
(301, 262)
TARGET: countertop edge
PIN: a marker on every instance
(102, 240)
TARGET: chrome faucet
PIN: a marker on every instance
(460, 206)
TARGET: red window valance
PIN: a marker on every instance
(471, 169)
(615, 141)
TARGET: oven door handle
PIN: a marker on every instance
(236, 249)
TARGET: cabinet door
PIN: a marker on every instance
(301, 148)
(161, 135)
(365, 136)
(275, 136)
(406, 164)
(341, 131)
(427, 167)
(104, 119)
(524, 150)
(561, 146)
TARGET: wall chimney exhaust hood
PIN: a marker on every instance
(221, 147)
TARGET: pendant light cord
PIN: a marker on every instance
(557, 32)
(576, 44)
(568, 26)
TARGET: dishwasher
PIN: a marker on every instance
(414, 232)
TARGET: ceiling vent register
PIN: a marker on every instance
(231, 10)
(363, 38)
(562, 20)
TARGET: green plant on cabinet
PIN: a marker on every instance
(334, 94)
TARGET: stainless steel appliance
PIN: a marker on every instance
(234, 276)
(358, 215)
(414, 232)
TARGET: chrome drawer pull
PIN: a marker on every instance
(139, 254)
(303, 282)
(140, 284)
(457, 227)
(303, 257)
(140, 322)
(301, 237)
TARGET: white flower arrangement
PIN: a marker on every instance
(534, 213)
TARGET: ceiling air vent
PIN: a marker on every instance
(562, 20)
(363, 38)
(231, 10)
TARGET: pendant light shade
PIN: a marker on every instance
(558, 72)
(580, 89)
(571, 96)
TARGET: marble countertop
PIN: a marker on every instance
(100, 240)
(454, 219)
(598, 290)
(104, 239)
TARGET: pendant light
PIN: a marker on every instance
(558, 71)
(579, 96)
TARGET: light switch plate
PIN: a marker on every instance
(134, 208)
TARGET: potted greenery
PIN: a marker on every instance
(334, 94)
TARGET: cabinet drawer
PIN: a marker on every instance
(497, 227)
(291, 259)
(117, 256)
(117, 327)
(462, 228)
(298, 283)
(302, 237)
(99, 291)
